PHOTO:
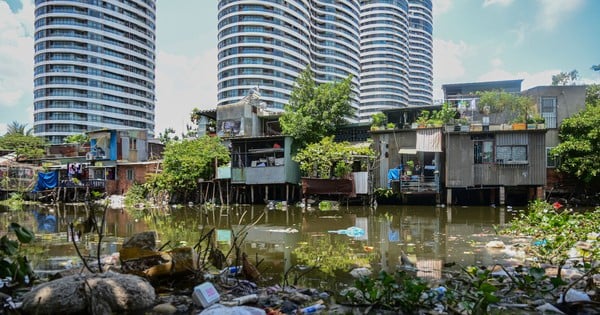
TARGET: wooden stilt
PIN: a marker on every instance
(252, 194)
(220, 193)
(266, 193)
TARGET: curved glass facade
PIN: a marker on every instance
(421, 52)
(267, 43)
(385, 44)
(384, 56)
(94, 66)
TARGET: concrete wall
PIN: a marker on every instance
(569, 101)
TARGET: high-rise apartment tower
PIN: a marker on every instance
(386, 45)
(94, 66)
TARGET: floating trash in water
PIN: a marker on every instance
(352, 231)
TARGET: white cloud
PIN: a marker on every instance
(3, 129)
(448, 63)
(182, 83)
(16, 55)
(487, 3)
(519, 33)
(441, 6)
(552, 12)
(496, 62)
(530, 80)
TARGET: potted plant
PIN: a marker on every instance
(423, 119)
(445, 115)
(540, 121)
(377, 121)
(410, 166)
(390, 125)
(463, 124)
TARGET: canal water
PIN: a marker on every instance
(314, 248)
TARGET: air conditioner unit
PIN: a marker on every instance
(89, 156)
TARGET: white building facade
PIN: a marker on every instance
(267, 43)
(94, 66)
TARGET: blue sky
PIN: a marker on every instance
(481, 40)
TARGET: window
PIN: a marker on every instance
(551, 160)
(130, 174)
(132, 144)
(483, 151)
(511, 154)
(99, 173)
(548, 110)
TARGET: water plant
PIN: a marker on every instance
(400, 290)
(14, 265)
(556, 231)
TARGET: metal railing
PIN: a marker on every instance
(417, 183)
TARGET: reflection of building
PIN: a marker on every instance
(275, 242)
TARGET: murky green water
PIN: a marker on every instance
(428, 236)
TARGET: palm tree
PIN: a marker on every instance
(17, 128)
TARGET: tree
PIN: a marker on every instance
(78, 138)
(592, 94)
(517, 107)
(25, 146)
(165, 136)
(565, 78)
(580, 141)
(316, 110)
(18, 128)
(186, 162)
(326, 158)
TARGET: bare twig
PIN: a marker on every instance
(72, 231)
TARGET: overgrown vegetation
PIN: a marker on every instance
(556, 232)
(580, 141)
(78, 138)
(14, 265)
(316, 110)
(517, 108)
(25, 146)
(327, 158)
(185, 164)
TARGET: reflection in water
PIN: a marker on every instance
(425, 236)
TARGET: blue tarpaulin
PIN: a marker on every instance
(47, 180)
(393, 174)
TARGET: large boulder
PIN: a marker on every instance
(105, 293)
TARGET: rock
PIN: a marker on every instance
(165, 308)
(96, 294)
(144, 240)
(360, 272)
(495, 244)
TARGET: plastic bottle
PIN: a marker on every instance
(313, 309)
(231, 270)
(439, 293)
